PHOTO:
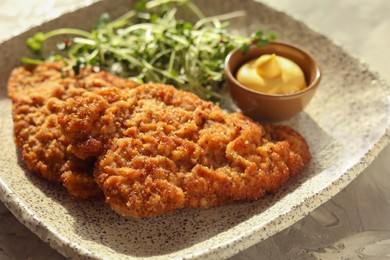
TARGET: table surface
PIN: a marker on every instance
(354, 224)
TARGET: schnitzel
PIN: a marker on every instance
(160, 149)
(36, 94)
(149, 149)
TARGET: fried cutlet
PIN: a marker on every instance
(159, 149)
(37, 93)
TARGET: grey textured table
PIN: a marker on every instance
(353, 225)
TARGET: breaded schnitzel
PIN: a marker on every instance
(161, 149)
(37, 94)
(151, 148)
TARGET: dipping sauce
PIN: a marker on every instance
(272, 74)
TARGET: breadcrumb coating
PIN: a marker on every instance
(37, 94)
(149, 149)
(160, 149)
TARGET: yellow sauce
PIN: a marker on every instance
(272, 74)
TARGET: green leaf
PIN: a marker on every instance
(102, 22)
(40, 37)
(244, 48)
(35, 43)
(258, 35)
(271, 37)
(140, 5)
(27, 60)
(262, 42)
(154, 18)
(187, 25)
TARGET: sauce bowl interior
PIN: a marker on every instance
(271, 107)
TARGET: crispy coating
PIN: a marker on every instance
(160, 149)
(152, 149)
(37, 93)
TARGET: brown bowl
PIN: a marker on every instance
(271, 107)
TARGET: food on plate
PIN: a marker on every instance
(159, 149)
(272, 74)
(150, 148)
(152, 43)
(37, 94)
(265, 106)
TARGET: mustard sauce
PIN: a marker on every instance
(272, 74)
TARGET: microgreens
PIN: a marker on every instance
(149, 43)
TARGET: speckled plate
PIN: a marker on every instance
(346, 126)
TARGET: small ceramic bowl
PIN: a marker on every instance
(271, 107)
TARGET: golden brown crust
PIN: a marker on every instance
(166, 149)
(153, 149)
(37, 94)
